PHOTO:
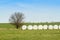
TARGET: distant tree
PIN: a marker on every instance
(16, 19)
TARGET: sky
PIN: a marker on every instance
(33, 10)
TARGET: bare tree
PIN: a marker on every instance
(16, 19)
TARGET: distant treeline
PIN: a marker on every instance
(43, 23)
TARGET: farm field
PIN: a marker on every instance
(18, 34)
(8, 32)
(7, 25)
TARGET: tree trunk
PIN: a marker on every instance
(17, 26)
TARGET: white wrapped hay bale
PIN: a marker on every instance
(45, 27)
(55, 26)
(50, 27)
(35, 27)
(24, 27)
(59, 27)
(40, 27)
(29, 27)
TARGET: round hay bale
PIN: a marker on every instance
(24, 27)
(30, 27)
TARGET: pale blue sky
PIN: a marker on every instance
(34, 10)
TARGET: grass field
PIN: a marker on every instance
(8, 32)
(7, 25)
(14, 34)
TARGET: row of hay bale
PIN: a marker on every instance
(40, 27)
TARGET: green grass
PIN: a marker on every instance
(8, 32)
(14, 34)
(6, 25)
